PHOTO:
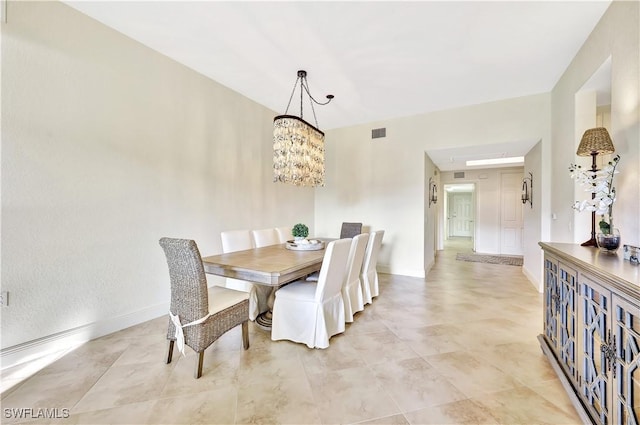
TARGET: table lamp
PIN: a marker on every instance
(594, 141)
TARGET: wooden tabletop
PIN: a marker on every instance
(610, 268)
(271, 265)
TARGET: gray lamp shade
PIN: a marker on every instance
(595, 141)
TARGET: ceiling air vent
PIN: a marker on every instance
(458, 175)
(378, 133)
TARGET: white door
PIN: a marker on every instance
(461, 215)
(511, 220)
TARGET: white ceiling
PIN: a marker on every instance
(451, 159)
(380, 59)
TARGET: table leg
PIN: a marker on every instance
(264, 319)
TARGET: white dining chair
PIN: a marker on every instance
(284, 233)
(236, 240)
(265, 237)
(351, 287)
(312, 312)
(262, 294)
(239, 240)
(369, 275)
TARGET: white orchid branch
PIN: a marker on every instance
(599, 183)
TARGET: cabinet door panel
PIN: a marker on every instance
(626, 387)
(567, 300)
(595, 310)
(551, 304)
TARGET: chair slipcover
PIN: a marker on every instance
(265, 237)
(284, 234)
(369, 274)
(312, 312)
(236, 240)
(239, 240)
(350, 230)
(203, 314)
(352, 288)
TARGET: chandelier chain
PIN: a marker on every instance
(291, 97)
(311, 100)
(304, 88)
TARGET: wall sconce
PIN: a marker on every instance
(527, 190)
(433, 192)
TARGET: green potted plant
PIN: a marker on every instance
(300, 231)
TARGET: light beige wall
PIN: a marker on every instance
(585, 105)
(381, 181)
(617, 35)
(375, 183)
(533, 218)
(106, 147)
(430, 212)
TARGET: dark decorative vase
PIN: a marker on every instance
(609, 242)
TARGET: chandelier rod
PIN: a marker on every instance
(304, 85)
(292, 93)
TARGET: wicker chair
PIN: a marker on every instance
(214, 311)
(350, 230)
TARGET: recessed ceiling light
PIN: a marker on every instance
(497, 161)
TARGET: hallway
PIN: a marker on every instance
(456, 244)
(457, 347)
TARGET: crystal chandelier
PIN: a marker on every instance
(298, 147)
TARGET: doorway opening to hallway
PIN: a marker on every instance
(459, 208)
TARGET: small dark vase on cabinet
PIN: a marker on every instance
(609, 242)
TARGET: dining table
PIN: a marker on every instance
(270, 266)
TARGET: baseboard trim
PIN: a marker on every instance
(429, 266)
(532, 279)
(383, 268)
(64, 340)
(572, 392)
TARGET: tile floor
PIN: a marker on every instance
(458, 347)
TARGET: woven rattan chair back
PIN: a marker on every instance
(190, 303)
(189, 297)
(350, 230)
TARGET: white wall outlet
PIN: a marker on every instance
(4, 299)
